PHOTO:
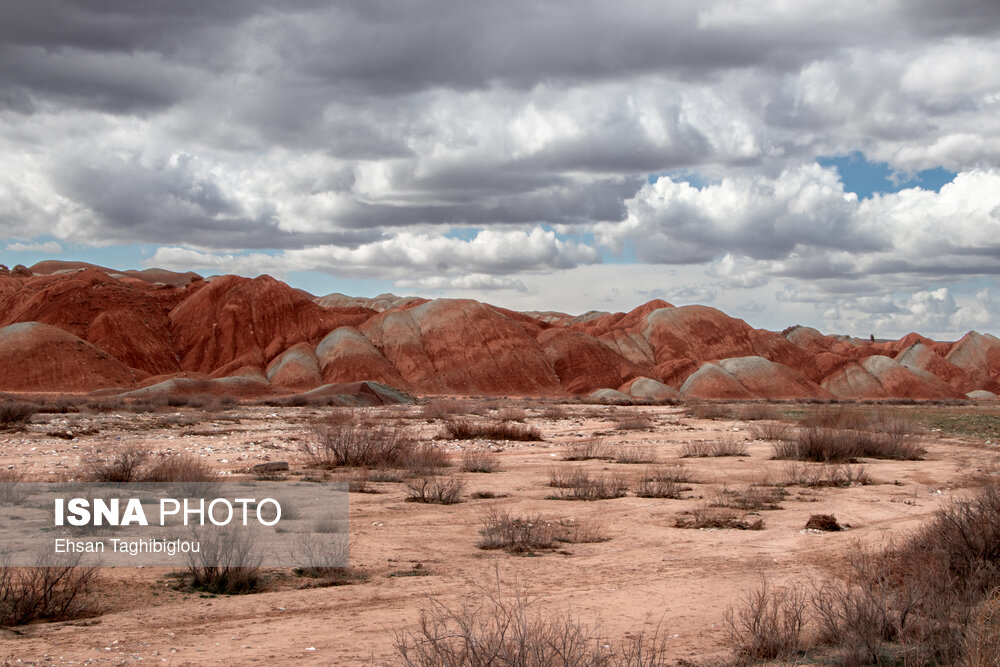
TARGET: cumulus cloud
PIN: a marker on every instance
(49, 247)
(353, 137)
(409, 256)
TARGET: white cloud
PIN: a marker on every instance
(49, 247)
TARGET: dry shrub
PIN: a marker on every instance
(130, 463)
(838, 418)
(55, 589)
(554, 412)
(344, 440)
(179, 468)
(982, 642)
(752, 498)
(444, 409)
(511, 415)
(723, 447)
(14, 415)
(531, 533)
(634, 454)
(435, 489)
(634, 421)
(826, 445)
(583, 486)
(424, 457)
(715, 517)
(325, 559)
(126, 463)
(480, 461)
(770, 430)
(768, 623)
(755, 412)
(499, 430)
(710, 411)
(586, 450)
(228, 563)
(505, 629)
(662, 482)
(12, 490)
(566, 478)
(826, 475)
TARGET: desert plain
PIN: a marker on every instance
(643, 576)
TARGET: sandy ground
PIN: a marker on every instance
(649, 576)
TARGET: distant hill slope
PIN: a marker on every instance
(97, 328)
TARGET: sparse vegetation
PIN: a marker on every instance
(531, 533)
(662, 482)
(591, 448)
(228, 563)
(768, 623)
(751, 498)
(348, 442)
(130, 463)
(714, 517)
(827, 445)
(500, 629)
(770, 430)
(822, 475)
(480, 461)
(498, 430)
(581, 485)
(435, 489)
(723, 447)
(632, 454)
(14, 415)
(634, 421)
(55, 589)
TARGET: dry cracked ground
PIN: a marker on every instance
(645, 575)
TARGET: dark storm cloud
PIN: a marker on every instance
(315, 122)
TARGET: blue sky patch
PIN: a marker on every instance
(866, 178)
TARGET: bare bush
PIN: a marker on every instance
(554, 412)
(504, 629)
(585, 450)
(55, 589)
(768, 623)
(178, 468)
(480, 461)
(14, 415)
(755, 412)
(228, 563)
(634, 421)
(511, 414)
(825, 445)
(770, 430)
(751, 498)
(584, 486)
(345, 441)
(424, 457)
(12, 489)
(527, 534)
(435, 489)
(825, 475)
(714, 517)
(126, 463)
(662, 482)
(634, 454)
(723, 447)
(705, 410)
(518, 535)
(499, 430)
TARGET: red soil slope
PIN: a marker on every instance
(96, 328)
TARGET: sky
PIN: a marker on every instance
(831, 164)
